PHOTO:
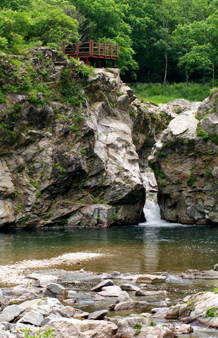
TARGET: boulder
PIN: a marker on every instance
(56, 290)
(10, 313)
(68, 328)
(33, 318)
(126, 325)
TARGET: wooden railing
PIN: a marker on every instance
(91, 49)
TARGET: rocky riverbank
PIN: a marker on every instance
(85, 304)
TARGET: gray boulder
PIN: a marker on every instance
(10, 313)
(33, 318)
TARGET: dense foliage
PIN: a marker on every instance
(159, 40)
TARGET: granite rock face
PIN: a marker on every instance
(185, 164)
(67, 158)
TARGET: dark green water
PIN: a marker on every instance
(135, 249)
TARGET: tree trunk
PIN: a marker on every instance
(213, 74)
(186, 75)
(165, 74)
(203, 77)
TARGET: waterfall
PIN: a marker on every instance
(152, 209)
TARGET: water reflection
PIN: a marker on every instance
(136, 249)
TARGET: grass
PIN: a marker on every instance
(155, 93)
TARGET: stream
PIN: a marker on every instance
(154, 247)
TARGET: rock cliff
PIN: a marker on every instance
(186, 167)
(67, 154)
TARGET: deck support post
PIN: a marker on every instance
(113, 63)
(63, 47)
(87, 61)
(102, 63)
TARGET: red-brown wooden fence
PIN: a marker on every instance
(94, 50)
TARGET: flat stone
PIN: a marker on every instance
(98, 314)
(97, 298)
(33, 318)
(104, 283)
(150, 279)
(110, 291)
(10, 313)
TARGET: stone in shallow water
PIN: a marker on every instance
(97, 298)
(98, 314)
(129, 305)
(99, 287)
(150, 279)
(128, 287)
(110, 291)
(150, 293)
(123, 297)
(69, 302)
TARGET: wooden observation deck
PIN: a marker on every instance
(95, 51)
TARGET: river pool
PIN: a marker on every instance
(141, 248)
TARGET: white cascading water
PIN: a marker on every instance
(152, 209)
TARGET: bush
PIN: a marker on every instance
(2, 97)
(191, 181)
